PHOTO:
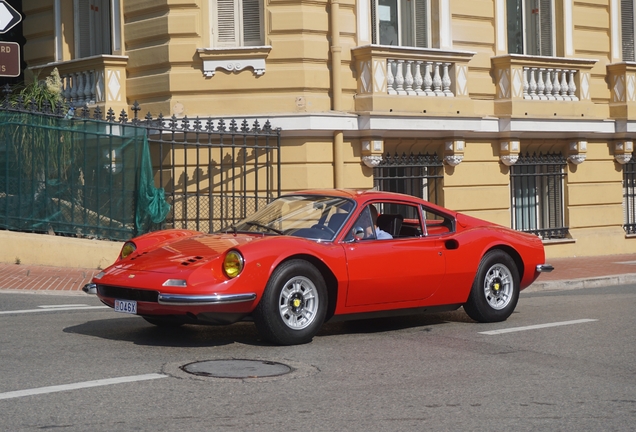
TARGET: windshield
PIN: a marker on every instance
(310, 216)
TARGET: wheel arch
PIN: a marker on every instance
(330, 279)
(512, 252)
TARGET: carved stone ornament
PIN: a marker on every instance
(454, 160)
(510, 159)
(577, 159)
(257, 64)
(623, 158)
(372, 161)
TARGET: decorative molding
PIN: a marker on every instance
(623, 151)
(210, 66)
(453, 160)
(577, 159)
(623, 158)
(372, 161)
(234, 59)
(510, 159)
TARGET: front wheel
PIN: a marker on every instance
(495, 291)
(294, 304)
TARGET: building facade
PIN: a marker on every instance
(520, 112)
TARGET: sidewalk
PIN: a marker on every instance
(569, 273)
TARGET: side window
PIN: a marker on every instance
(387, 220)
(436, 223)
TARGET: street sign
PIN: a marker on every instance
(9, 17)
(9, 59)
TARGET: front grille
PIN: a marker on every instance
(127, 293)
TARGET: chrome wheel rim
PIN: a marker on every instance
(498, 286)
(298, 303)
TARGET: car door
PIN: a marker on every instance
(402, 269)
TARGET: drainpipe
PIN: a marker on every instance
(336, 91)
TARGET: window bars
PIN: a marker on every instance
(537, 201)
(419, 175)
(629, 196)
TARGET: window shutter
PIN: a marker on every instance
(226, 25)
(252, 22)
(627, 28)
(421, 24)
(83, 28)
(545, 19)
(374, 22)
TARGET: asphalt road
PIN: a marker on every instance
(566, 361)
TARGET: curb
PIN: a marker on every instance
(594, 282)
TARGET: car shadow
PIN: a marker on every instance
(139, 332)
(423, 322)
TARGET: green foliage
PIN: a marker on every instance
(41, 146)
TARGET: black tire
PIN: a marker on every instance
(163, 322)
(293, 305)
(495, 291)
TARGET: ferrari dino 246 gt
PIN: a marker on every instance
(314, 256)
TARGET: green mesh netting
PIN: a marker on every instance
(78, 177)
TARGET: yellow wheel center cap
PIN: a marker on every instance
(296, 303)
(496, 287)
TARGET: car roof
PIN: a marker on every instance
(359, 194)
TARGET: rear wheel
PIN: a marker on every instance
(495, 291)
(293, 305)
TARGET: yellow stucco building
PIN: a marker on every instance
(521, 112)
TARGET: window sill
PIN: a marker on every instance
(234, 59)
(559, 241)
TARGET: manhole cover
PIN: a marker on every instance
(237, 368)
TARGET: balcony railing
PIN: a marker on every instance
(93, 81)
(416, 77)
(526, 83)
(386, 72)
(549, 84)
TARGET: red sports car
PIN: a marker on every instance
(317, 255)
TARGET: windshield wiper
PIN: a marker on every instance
(265, 227)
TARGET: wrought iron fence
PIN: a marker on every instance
(536, 183)
(420, 175)
(89, 175)
(629, 196)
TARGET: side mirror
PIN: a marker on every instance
(358, 233)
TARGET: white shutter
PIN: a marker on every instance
(252, 34)
(82, 29)
(545, 19)
(627, 28)
(226, 23)
(421, 24)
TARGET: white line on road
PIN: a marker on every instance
(535, 327)
(50, 309)
(79, 385)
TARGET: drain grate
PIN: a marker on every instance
(237, 368)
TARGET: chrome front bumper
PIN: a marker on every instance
(544, 268)
(196, 300)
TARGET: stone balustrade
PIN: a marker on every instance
(419, 78)
(549, 84)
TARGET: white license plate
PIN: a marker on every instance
(126, 306)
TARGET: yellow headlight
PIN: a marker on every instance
(233, 264)
(129, 247)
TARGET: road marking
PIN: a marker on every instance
(535, 327)
(64, 305)
(50, 308)
(79, 385)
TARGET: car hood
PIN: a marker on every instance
(185, 255)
